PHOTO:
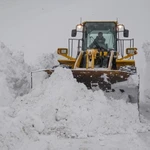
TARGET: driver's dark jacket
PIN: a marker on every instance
(99, 41)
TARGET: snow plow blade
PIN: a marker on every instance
(103, 79)
(114, 83)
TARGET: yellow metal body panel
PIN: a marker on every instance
(59, 51)
(78, 60)
(90, 58)
(124, 62)
(67, 62)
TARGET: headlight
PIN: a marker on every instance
(63, 51)
(79, 27)
(131, 51)
(120, 27)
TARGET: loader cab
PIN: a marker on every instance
(91, 30)
(111, 32)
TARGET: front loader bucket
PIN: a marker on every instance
(114, 83)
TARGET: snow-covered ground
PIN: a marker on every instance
(60, 114)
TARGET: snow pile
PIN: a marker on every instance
(60, 106)
(57, 107)
(146, 84)
(46, 61)
(13, 75)
(146, 48)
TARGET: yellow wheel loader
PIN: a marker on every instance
(103, 59)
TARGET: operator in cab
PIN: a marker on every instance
(99, 42)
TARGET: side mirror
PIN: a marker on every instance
(126, 33)
(74, 33)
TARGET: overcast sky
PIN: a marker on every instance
(41, 26)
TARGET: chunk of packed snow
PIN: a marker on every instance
(46, 61)
(13, 75)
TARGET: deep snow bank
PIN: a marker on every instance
(146, 76)
(13, 75)
(57, 107)
(60, 106)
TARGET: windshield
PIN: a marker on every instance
(99, 34)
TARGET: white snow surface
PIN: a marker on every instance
(46, 61)
(14, 71)
(146, 72)
(60, 113)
